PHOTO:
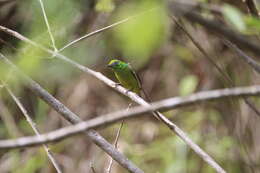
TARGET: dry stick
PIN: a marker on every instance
(74, 119)
(48, 26)
(254, 64)
(249, 60)
(107, 119)
(32, 124)
(131, 95)
(109, 168)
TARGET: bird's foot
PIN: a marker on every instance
(127, 91)
(117, 84)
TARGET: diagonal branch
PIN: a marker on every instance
(254, 64)
(74, 119)
(32, 124)
(173, 127)
(105, 120)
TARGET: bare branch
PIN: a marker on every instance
(105, 120)
(32, 124)
(125, 92)
(109, 168)
(254, 64)
(74, 119)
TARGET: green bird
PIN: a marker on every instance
(125, 75)
(129, 79)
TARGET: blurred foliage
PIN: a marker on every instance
(234, 16)
(105, 6)
(139, 37)
(188, 85)
(165, 59)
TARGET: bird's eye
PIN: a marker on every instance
(115, 63)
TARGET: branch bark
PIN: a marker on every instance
(108, 119)
(33, 125)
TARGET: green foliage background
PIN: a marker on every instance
(168, 64)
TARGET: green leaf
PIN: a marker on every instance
(235, 17)
(188, 85)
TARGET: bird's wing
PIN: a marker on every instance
(136, 76)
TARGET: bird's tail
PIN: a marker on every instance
(146, 97)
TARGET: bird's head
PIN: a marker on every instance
(116, 64)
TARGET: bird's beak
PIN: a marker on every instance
(109, 65)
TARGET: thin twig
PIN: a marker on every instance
(94, 33)
(48, 26)
(103, 29)
(109, 168)
(32, 124)
(74, 119)
(173, 127)
(254, 64)
(108, 119)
